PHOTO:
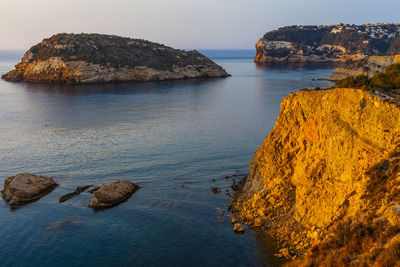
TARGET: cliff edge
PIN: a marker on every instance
(325, 183)
(97, 58)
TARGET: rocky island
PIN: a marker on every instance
(325, 184)
(97, 58)
(327, 44)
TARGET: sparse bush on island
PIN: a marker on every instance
(386, 81)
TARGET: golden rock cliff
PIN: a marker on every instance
(332, 157)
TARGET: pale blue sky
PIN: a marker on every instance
(185, 24)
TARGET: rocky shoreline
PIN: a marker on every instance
(96, 58)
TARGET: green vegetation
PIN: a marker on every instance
(386, 81)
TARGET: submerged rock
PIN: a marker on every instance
(98, 58)
(110, 195)
(77, 191)
(25, 187)
(60, 224)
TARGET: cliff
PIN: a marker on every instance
(325, 183)
(96, 58)
(367, 66)
(327, 44)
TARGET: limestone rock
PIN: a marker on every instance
(110, 195)
(96, 58)
(25, 187)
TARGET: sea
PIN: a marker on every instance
(177, 140)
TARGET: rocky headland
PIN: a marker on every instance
(366, 66)
(97, 58)
(327, 44)
(325, 183)
(25, 188)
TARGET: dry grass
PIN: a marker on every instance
(356, 244)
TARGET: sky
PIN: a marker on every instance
(185, 24)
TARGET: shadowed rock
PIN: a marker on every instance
(77, 191)
(25, 187)
(110, 195)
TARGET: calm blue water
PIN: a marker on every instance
(171, 138)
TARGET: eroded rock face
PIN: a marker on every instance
(25, 187)
(367, 66)
(96, 58)
(327, 44)
(110, 195)
(332, 156)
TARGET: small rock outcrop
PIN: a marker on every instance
(25, 187)
(110, 195)
(327, 44)
(238, 228)
(367, 66)
(97, 58)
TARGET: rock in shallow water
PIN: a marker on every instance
(77, 191)
(25, 187)
(110, 195)
(238, 228)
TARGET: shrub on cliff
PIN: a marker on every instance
(390, 79)
(360, 81)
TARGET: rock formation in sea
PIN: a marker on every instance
(367, 66)
(25, 187)
(110, 195)
(325, 183)
(327, 44)
(77, 191)
(97, 58)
